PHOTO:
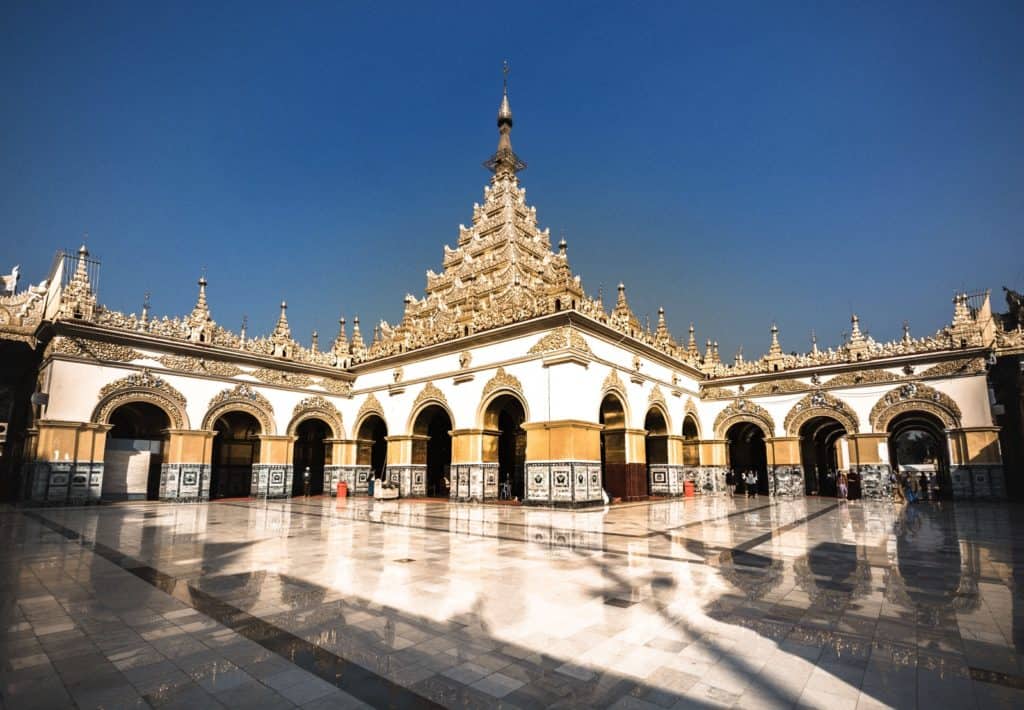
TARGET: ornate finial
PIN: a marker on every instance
(245, 327)
(775, 348)
(855, 335)
(315, 344)
(563, 246)
(504, 163)
(814, 342)
(340, 347)
(145, 308)
(906, 331)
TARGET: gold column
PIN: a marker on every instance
(400, 449)
(563, 440)
(783, 451)
(976, 446)
(865, 449)
(636, 445)
(714, 452)
(276, 449)
(190, 446)
(467, 445)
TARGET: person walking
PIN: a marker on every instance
(730, 482)
(751, 481)
(844, 489)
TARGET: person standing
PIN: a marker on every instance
(844, 489)
(730, 482)
(751, 480)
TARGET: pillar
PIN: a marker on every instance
(473, 450)
(345, 467)
(402, 471)
(709, 476)
(272, 476)
(976, 463)
(869, 460)
(67, 465)
(785, 472)
(185, 472)
(563, 463)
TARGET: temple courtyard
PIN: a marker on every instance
(321, 603)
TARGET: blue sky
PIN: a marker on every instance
(737, 164)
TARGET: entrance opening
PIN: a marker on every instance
(373, 445)
(747, 452)
(655, 444)
(434, 452)
(134, 452)
(918, 448)
(310, 451)
(506, 415)
(819, 453)
(691, 442)
(235, 449)
(621, 480)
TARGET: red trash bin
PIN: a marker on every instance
(342, 489)
(689, 490)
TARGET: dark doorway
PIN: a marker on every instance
(747, 452)
(691, 442)
(918, 447)
(235, 449)
(373, 445)
(624, 481)
(135, 452)
(818, 453)
(312, 451)
(506, 414)
(655, 443)
(434, 452)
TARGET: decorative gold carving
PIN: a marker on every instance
(143, 386)
(657, 397)
(397, 374)
(429, 393)
(637, 363)
(317, 406)
(286, 379)
(967, 366)
(94, 349)
(910, 397)
(502, 380)
(199, 365)
(561, 339)
(717, 393)
(369, 406)
(336, 386)
(742, 410)
(241, 397)
(775, 387)
(861, 377)
(820, 404)
(465, 358)
(613, 382)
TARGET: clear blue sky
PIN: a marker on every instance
(736, 164)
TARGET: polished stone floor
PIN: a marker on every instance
(321, 603)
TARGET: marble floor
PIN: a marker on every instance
(321, 603)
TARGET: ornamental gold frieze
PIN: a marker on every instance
(282, 379)
(502, 380)
(370, 405)
(199, 365)
(657, 397)
(774, 387)
(429, 393)
(335, 386)
(93, 349)
(717, 393)
(952, 368)
(561, 339)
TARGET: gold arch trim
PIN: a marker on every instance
(742, 410)
(241, 398)
(317, 407)
(820, 404)
(914, 396)
(143, 386)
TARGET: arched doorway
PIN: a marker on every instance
(918, 447)
(434, 451)
(311, 450)
(134, 452)
(691, 442)
(656, 451)
(235, 449)
(819, 454)
(619, 481)
(747, 452)
(373, 445)
(506, 414)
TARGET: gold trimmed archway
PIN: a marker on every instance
(911, 397)
(369, 406)
(820, 404)
(743, 410)
(317, 407)
(613, 385)
(241, 398)
(501, 383)
(431, 394)
(146, 387)
(690, 412)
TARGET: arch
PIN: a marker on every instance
(372, 446)
(656, 448)
(743, 410)
(506, 446)
(747, 450)
(820, 404)
(429, 396)
(501, 384)
(137, 439)
(310, 450)
(656, 399)
(691, 440)
(613, 385)
(919, 448)
(819, 436)
(317, 407)
(432, 447)
(236, 449)
(370, 406)
(242, 398)
(141, 387)
(914, 396)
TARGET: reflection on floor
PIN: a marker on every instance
(683, 603)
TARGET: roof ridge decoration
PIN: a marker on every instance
(563, 338)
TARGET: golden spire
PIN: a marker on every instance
(504, 163)
(341, 342)
(775, 348)
(358, 346)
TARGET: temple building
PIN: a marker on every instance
(504, 380)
